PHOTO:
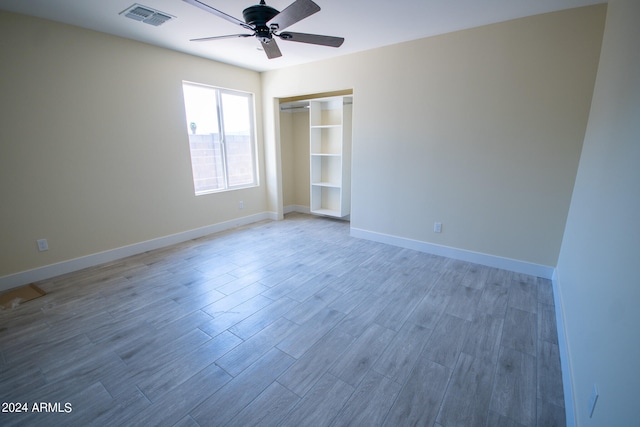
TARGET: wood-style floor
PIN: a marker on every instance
(291, 323)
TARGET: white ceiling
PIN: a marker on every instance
(365, 24)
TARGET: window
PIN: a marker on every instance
(221, 138)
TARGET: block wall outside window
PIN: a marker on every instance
(206, 162)
(240, 160)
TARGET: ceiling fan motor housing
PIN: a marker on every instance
(258, 16)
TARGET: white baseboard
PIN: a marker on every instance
(273, 216)
(53, 270)
(297, 208)
(567, 382)
(461, 254)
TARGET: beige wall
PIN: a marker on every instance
(94, 152)
(296, 185)
(598, 266)
(479, 129)
(301, 153)
(294, 143)
(287, 143)
(294, 153)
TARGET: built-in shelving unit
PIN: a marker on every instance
(330, 156)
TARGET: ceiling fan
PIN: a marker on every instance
(265, 22)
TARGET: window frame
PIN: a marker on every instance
(219, 116)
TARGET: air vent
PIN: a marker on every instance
(146, 14)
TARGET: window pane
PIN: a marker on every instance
(202, 109)
(204, 138)
(238, 136)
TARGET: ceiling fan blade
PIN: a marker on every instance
(231, 36)
(296, 11)
(271, 49)
(312, 39)
(218, 13)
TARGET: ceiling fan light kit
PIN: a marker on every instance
(265, 22)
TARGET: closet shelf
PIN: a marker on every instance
(330, 158)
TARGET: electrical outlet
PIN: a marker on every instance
(240, 204)
(592, 400)
(42, 245)
(437, 227)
